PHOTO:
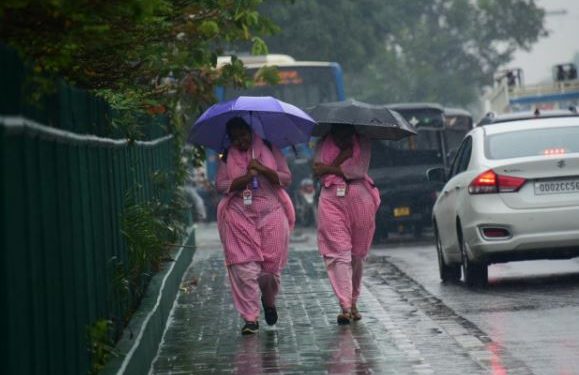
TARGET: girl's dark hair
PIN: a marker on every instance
(234, 122)
(238, 122)
(334, 128)
(343, 128)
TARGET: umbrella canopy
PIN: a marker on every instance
(373, 121)
(279, 122)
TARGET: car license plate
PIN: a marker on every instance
(401, 211)
(557, 186)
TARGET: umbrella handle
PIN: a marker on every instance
(254, 181)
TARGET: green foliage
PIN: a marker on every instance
(149, 228)
(141, 230)
(399, 50)
(259, 47)
(149, 56)
(101, 344)
(171, 214)
(121, 290)
(131, 107)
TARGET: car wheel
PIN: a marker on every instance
(448, 273)
(475, 273)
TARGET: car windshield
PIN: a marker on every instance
(532, 142)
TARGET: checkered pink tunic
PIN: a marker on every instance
(347, 223)
(258, 232)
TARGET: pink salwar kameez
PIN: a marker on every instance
(255, 237)
(346, 223)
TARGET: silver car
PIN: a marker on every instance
(512, 193)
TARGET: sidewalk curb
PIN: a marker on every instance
(140, 341)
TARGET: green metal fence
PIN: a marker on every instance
(62, 195)
(62, 106)
(66, 174)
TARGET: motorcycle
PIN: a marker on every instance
(305, 203)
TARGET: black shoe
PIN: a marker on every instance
(270, 314)
(344, 318)
(250, 328)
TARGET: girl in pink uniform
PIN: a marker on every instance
(254, 219)
(346, 212)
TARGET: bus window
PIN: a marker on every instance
(302, 86)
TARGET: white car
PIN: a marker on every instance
(512, 193)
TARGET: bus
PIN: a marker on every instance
(399, 167)
(301, 83)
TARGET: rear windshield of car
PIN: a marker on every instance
(532, 142)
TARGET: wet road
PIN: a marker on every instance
(529, 313)
(530, 310)
(525, 322)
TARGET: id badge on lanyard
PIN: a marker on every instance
(341, 191)
(247, 197)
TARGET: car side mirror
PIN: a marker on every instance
(437, 175)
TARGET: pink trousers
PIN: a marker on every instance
(345, 274)
(249, 283)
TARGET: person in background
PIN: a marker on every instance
(346, 213)
(254, 220)
(511, 79)
(207, 192)
(560, 73)
(572, 73)
(194, 199)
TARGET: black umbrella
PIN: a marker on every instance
(373, 121)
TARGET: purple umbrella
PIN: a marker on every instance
(280, 123)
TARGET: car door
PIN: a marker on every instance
(446, 211)
(442, 212)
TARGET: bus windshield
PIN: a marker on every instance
(302, 86)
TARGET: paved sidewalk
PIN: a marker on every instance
(203, 336)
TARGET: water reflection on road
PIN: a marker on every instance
(257, 354)
(529, 309)
(348, 357)
(343, 350)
